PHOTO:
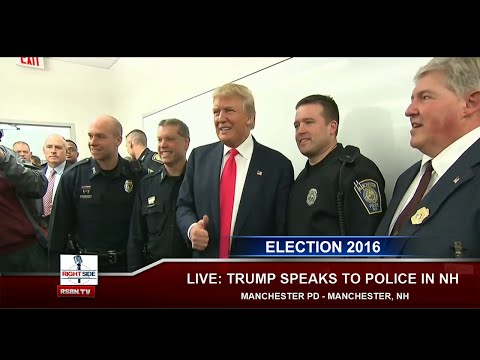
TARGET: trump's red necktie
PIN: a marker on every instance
(227, 194)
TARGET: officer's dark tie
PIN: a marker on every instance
(227, 195)
(408, 211)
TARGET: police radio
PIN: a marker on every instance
(347, 156)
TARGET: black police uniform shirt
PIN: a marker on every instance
(153, 226)
(313, 209)
(94, 206)
(150, 160)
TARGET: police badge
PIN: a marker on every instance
(420, 215)
(311, 196)
(128, 186)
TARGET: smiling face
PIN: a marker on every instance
(314, 134)
(172, 147)
(436, 115)
(232, 122)
(104, 139)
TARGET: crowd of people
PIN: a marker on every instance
(157, 204)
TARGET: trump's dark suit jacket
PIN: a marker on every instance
(454, 211)
(263, 206)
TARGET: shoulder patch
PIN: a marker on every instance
(156, 157)
(368, 192)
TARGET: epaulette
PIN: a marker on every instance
(81, 162)
(152, 174)
(156, 158)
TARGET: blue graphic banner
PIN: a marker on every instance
(316, 246)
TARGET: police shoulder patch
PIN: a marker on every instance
(156, 157)
(368, 192)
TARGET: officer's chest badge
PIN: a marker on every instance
(151, 201)
(420, 215)
(128, 186)
(311, 196)
(86, 192)
(368, 192)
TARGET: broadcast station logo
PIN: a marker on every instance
(78, 275)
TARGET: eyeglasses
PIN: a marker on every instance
(71, 149)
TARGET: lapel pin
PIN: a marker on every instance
(259, 173)
(456, 179)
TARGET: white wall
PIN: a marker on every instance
(143, 85)
(372, 95)
(62, 93)
(69, 93)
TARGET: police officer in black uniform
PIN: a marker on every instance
(154, 233)
(136, 142)
(93, 204)
(340, 192)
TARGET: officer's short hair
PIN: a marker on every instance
(72, 142)
(137, 136)
(182, 127)
(330, 107)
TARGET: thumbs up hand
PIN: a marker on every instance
(199, 234)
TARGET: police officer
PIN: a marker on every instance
(93, 204)
(136, 142)
(154, 233)
(340, 192)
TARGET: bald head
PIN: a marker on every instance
(55, 150)
(104, 138)
(110, 123)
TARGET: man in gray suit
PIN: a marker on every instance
(55, 152)
(445, 126)
(259, 191)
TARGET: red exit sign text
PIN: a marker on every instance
(33, 62)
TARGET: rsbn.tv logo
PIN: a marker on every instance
(78, 275)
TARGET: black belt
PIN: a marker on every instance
(110, 256)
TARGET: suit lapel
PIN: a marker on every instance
(217, 158)
(459, 173)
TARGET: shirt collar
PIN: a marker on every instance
(58, 169)
(245, 149)
(443, 161)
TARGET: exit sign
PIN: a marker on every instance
(33, 62)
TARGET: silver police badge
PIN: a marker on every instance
(369, 193)
(311, 196)
(128, 186)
